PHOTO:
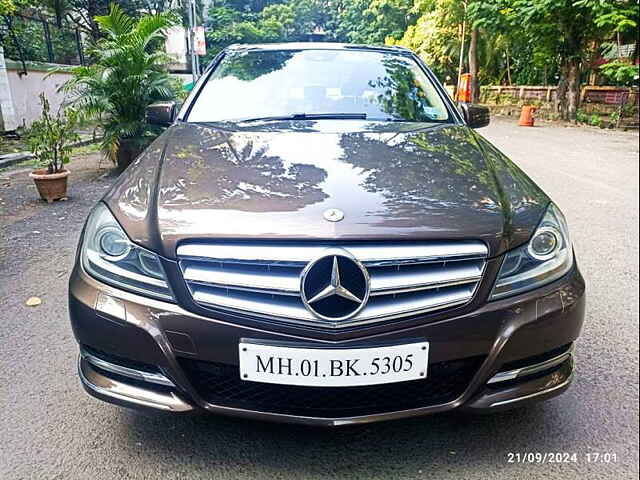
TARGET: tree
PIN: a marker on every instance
(373, 21)
(315, 14)
(82, 14)
(564, 32)
(435, 34)
(620, 19)
(129, 74)
(569, 28)
(280, 19)
(232, 21)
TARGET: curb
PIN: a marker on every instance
(11, 159)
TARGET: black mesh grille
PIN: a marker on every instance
(221, 385)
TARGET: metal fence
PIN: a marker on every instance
(40, 40)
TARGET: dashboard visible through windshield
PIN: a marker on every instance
(298, 84)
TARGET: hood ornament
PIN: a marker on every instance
(333, 215)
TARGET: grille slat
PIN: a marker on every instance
(264, 280)
(378, 307)
(283, 282)
(385, 281)
(285, 307)
(283, 254)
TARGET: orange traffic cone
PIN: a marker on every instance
(464, 88)
(526, 116)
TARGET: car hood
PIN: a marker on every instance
(275, 182)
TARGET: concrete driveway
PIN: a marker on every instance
(50, 429)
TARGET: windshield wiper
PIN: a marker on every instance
(307, 116)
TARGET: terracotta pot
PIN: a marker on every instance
(51, 186)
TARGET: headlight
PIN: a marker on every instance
(108, 255)
(547, 257)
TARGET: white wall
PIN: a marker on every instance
(25, 90)
(7, 113)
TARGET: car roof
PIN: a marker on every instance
(317, 46)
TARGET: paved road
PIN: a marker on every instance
(50, 429)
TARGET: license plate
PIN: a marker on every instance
(333, 367)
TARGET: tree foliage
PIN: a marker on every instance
(566, 34)
(7, 7)
(375, 21)
(621, 72)
(266, 21)
(434, 35)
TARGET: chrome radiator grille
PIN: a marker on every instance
(264, 280)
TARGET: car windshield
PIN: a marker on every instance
(298, 84)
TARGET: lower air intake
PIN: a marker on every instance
(220, 384)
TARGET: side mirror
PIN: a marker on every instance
(161, 113)
(476, 116)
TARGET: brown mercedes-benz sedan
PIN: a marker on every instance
(320, 236)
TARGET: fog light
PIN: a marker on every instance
(544, 244)
(111, 306)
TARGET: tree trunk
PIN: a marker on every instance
(473, 66)
(590, 67)
(561, 92)
(619, 44)
(508, 68)
(568, 93)
(573, 89)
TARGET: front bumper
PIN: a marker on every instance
(135, 353)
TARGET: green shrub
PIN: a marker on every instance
(50, 137)
(595, 120)
(581, 117)
(178, 87)
(614, 118)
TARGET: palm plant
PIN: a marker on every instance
(129, 73)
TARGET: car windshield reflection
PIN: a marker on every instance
(318, 84)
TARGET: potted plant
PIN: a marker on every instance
(128, 74)
(50, 140)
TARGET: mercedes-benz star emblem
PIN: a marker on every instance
(333, 215)
(335, 287)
